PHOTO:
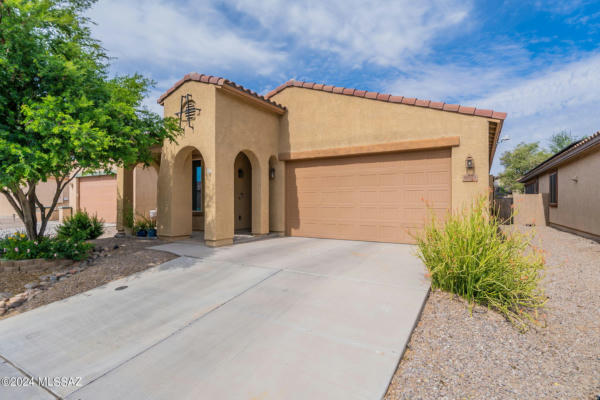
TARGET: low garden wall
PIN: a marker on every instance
(37, 264)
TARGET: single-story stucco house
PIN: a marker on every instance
(313, 160)
(569, 182)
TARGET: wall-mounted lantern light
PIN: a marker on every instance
(271, 173)
(470, 167)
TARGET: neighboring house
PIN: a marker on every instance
(45, 192)
(96, 194)
(314, 160)
(571, 181)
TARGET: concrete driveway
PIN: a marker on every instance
(285, 318)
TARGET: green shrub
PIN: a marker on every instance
(80, 226)
(19, 247)
(466, 254)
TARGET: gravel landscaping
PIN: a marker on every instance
(454, 354)
(113, 258)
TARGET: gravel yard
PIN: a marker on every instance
(455, 355)
(120, 257)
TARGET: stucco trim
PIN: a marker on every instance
(579, 232)
(422, 144)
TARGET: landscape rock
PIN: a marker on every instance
(4, 295)
(17, 300)
(32, 285)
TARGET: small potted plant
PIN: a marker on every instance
(140, 227)
(151, 228)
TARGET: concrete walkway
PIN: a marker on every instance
(291, 318)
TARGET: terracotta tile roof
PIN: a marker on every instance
(565, 154)
(390, 99)
(215, 80)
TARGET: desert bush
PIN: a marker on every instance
(18, 247)
(80, 226)
(467, 254)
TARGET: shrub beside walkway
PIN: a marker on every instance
(455, 355)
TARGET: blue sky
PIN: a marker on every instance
(537, 60)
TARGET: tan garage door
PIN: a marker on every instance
(98, 195)
(375, 197)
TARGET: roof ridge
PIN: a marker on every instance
(572, 148)
(215, 80)
(389, 98)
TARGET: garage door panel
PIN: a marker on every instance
(377, 197)
(98, 195)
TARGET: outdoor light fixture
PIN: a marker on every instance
(271, 173)
(470, 166)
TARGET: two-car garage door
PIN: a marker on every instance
(98, 195)
(380, 197)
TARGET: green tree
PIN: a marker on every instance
(560, 140)
(60, 113)
(516, 162)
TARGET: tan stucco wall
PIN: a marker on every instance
(320, 120)
(242, 126)
(578, 202)
(175, 174)
(226, 125)
(145, 182)
(530, 209)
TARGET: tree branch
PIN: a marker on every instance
(13, 202)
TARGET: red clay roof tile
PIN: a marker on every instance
(215, 80)
(466, 110)
(437, 105)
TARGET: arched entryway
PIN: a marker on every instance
(182, 199)
(242, 191)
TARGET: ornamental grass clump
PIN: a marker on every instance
(467, 254)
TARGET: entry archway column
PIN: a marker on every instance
(260, 198)
(124, 197)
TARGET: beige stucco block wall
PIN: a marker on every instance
(243, 126)
(319, 120)
(530, 209)
(579, 194)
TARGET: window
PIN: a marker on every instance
(531, 187)
(554, 188)
(197, 185)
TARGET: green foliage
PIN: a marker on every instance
(560, 140)
(516, 162)
(81, 226)
(143, 224)
(467, 255)
(60, 113)
(19, 247)
(128, 217)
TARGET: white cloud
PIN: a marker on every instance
(166, 35)
(384, 32)
(563, 97)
